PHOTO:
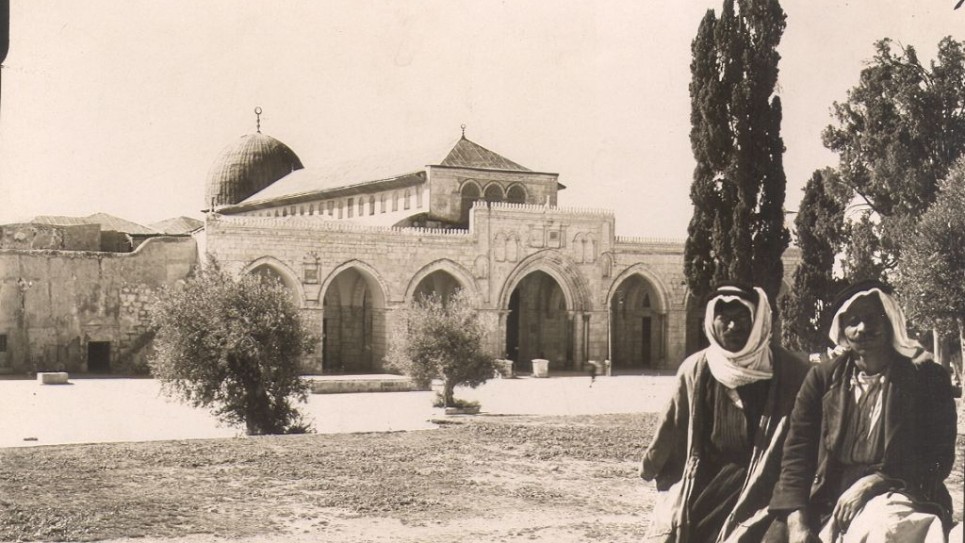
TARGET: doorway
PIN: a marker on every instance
(99, 357)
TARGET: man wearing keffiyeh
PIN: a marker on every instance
(716, 452)
(872, 434)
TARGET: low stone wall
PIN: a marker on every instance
(328, 385)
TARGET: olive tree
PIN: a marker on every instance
(232, 345)
(439, 338)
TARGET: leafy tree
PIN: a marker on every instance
(442, 339)
(820, 231)
(898, 134)
(737, 230)
(232, 345)
(863, 252)
(931, 273)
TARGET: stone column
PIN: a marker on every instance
(577, 339)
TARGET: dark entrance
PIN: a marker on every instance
(99, 356)
(646, 334)
(512, 334)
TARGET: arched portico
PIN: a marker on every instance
(353, 320)
(638, 305)
(543, 303)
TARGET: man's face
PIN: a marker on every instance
(865, 325)
(732, 325)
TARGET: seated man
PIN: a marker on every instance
(716, 451)
(872, 435)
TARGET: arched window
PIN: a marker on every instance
(468, 195)
(395, 201)
(382, 203)
(406, 203)
(351, 207)
(516, 195)
(494, 193)
(331, 208)
(371, 205)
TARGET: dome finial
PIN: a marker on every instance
(258, 118)
(463, 126)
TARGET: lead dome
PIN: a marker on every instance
(246, 167)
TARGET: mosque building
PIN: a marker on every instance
(356, 243)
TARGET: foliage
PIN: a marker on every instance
(931, 273)
(437, 339)
(897, 135)
(737, 230)
(863, 251)
(820, 232)
(232, 345)
(440, 401)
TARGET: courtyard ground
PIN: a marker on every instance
(563, 472)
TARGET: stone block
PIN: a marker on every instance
(52, 377)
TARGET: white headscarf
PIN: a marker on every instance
(753, 362)
(899, 337)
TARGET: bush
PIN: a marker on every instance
(442, 339)
(232, 345)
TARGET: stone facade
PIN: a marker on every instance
(84, 310)
(558, 282)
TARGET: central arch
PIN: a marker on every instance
(542, 301)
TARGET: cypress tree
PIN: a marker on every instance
(820, 228)
(737, 230)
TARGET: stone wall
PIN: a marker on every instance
(54, 304)
(31, 236)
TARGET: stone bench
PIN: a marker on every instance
(52, 377)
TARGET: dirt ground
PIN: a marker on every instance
(485, 478)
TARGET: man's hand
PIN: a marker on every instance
(798, 530)
(853, 499)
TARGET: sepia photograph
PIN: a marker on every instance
(463, 271)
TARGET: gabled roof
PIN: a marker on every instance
(105, 221)
(384, 167)
(177, 225)
(468, 154)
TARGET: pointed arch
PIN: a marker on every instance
(380, 288)
(459, 273)
(558, 266)
(638, 302)
(288, 277)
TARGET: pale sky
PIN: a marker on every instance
(121, 107)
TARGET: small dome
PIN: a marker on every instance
(246, 167)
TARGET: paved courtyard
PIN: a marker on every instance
(93, 410)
